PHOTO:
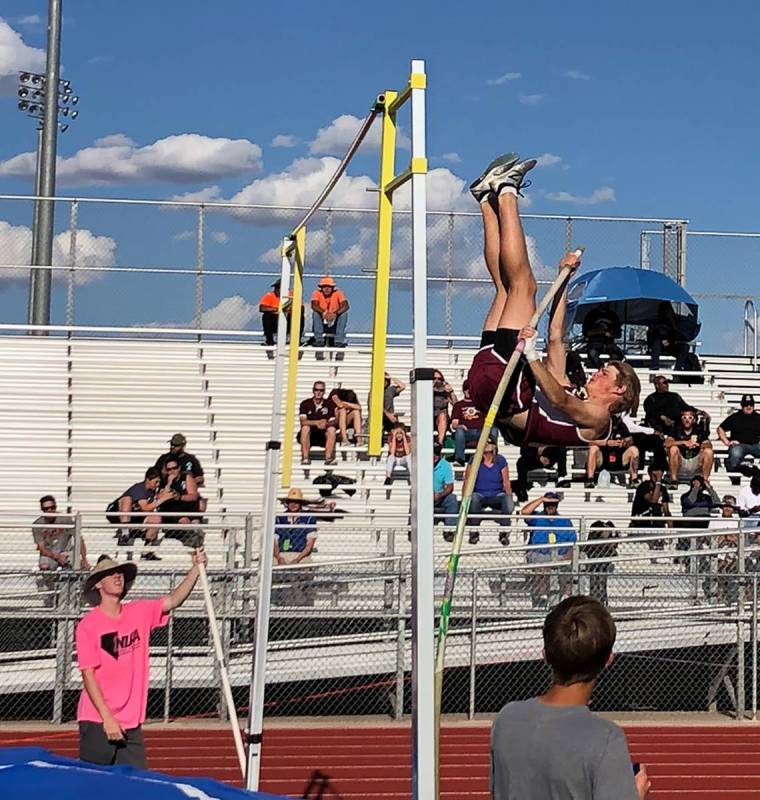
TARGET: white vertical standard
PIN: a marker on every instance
(271, 482)
(423, 601)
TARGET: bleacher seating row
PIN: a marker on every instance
(83, 419)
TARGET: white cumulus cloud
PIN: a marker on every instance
(576, 75)
(549, 160)
(284, 140)
(604, 194)
(220, 237)
(15, 57)
(29, 20)
(207, 195)
(531, 99)
(505, 78)
(180, 158)
(335, 139)
(452, 158)
(230, 313)
(183, 236)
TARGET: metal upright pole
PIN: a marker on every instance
(200, 261)
(43, 252)
(35, 224)
(424, 778)
(261, 640)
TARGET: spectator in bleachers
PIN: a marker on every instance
(466, 422)
(543, 457)
(663, 336)
(317, 417)
(399, 452)
(689, 448)
(330, 313)
(54, 538)
(646, 440)
(188, 463)
(393, 388)
(662, 408)
(740, 433)
(749, 502)
(651, 501)
(269, 306)
(445, 505)
(601, 326)
(697, 502)
(185, 503)
(492, 490)
(552, 746)
(615, 454)
(606, 535)
(728, 525)
(443, 396)
(348, 414)
(295, 531)
(549, 528)
(144, 497)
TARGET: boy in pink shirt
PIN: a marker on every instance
(113, 654)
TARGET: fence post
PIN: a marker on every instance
(753, 639)
(473, 643)
(248, 545)
(168, 674)
(61, 650)
(77, 541)
(200, 260)
(449, 275)
(328, 241)
(644, 249)
(73, 226)
(388, 584)
(740, 687)
(568, 234)
(681, 237)
(398, 710)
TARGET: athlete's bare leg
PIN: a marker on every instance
(514, 266)
(491, 247)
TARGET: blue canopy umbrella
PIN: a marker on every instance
(35, 774)
(634, 295)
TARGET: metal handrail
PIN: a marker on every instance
(750, 324)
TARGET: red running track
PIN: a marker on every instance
(372, 763)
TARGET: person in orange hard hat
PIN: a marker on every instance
(330, 313)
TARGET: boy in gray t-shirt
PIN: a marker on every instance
(552, 747)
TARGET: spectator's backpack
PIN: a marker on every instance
(332, 482)
(112, 511)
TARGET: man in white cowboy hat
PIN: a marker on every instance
(330, 312)
(112, 651)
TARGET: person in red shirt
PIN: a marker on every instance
(466, 422)
(330, 315)
(113, 654)
(317, 417)
(269, 306)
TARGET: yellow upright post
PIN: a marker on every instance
(295, 341)
(382, 279)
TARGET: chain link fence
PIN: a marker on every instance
(341, 631)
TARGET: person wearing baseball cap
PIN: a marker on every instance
(187, 463)
(330, 315)
(112, 642)
(269, 306)
(740, 433)
(548, 528)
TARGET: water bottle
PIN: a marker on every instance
(604, 480)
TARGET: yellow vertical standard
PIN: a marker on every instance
(382, 278)
(295, 339)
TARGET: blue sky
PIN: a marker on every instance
(647, 110)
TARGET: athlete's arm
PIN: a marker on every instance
(555, 347)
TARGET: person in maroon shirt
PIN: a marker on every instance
(317, 416)
(466, 422)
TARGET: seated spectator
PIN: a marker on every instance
(606, 534)
(748, 502)
(728, 526)
(663, 337)
(54, 538)
(184, 507)
(295, 537)
(542, 457)
(552, 746)
(330, 313)
(601, 326)
(142, 498)
(443, 395)
(662, 408)
(696, 503)
(466, 422)
(269, 306)
(348, 414)
(646, 440)
(393, 388)
(317, 417)
(652, 502)
(689, 448)
(492, 490)
(188, 463)
(445, 505)
(740, 433)
(616, 453)
(544, 531)
(399, 452)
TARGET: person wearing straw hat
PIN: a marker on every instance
(295, 532)
(330, 312)
(112, 642)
